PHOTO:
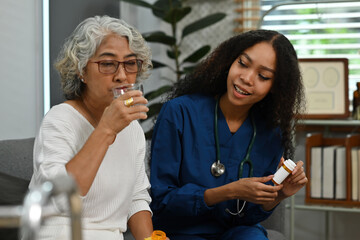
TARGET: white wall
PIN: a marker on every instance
(21, 107)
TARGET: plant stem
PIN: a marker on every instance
(176, 52)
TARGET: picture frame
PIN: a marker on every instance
(325, 87)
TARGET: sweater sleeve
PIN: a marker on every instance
(54, 146)
(141, 197)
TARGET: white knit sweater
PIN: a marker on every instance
(120, 187)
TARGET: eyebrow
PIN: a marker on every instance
(263, 67)
(113, 55)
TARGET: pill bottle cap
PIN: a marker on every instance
(290, 164)
(157, 235)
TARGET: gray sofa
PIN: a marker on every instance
(15, 173)
(16, 168)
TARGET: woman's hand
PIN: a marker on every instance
(117, 115)
(255, 190)
(294, 182)
(251, 189)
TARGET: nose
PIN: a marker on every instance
(120, 74)
(248, 77)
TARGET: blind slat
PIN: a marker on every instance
(312, 16)
(327, 46)
(313, 26)
(324, 36)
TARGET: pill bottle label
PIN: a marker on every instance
(286, 168)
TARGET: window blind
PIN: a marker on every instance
(325, 29)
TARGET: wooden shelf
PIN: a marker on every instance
(329, 126)
(324, 208)
(335, 122)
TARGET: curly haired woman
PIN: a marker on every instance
(221, 137)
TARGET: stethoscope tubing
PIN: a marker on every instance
(217, 164)
(247, 158)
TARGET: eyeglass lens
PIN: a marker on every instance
(111, 66)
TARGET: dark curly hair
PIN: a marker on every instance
(284, 101)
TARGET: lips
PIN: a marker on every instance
(243, 92)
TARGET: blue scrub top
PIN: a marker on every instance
(183, 149)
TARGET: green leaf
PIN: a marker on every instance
(202, 23)
(180, 72)
(148, 134)
(163, 8)
(171, 54)
(176, 14)
(198, 54)
(157, 64)
(154, 109)
(140, 3)
(158, 92)
(189, 69)
(159, 37)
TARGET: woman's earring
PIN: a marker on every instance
(82, 80)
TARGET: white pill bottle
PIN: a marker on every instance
(284, 170)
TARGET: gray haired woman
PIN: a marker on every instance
(94, 137)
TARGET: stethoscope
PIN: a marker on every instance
(218, 169)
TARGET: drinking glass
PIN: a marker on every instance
(120, 90)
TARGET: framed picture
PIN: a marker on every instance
(326, 87)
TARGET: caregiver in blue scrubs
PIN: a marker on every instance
(219, 140)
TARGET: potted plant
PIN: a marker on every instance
(172, 12)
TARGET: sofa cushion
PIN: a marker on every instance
(13, 189)
(16, 168)
(16, 157)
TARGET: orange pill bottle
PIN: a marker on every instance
(157, 235)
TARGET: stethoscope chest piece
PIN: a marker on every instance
(217, 169)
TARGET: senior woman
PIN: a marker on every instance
(94, 137)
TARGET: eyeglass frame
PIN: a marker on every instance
(139, 62)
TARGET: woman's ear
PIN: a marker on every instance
(81, 78)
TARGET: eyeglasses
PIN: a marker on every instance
(111, 66)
